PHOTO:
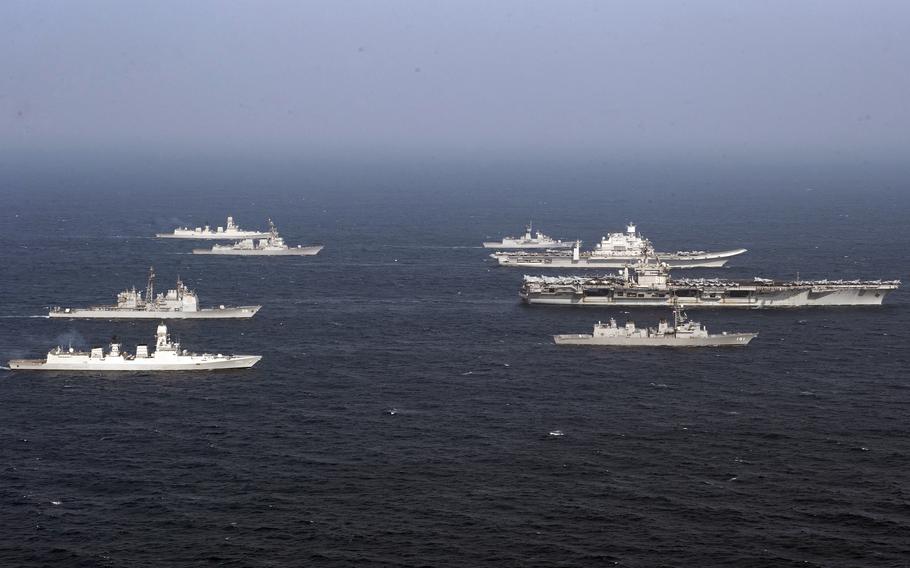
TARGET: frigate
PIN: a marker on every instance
(229, 232)
(648, 283)
(273, 245)
(168, 356)
(529, 241)
(683, 333)
(615, 250)
(177, 303)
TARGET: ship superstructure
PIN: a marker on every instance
(177, 303)
(272, 245)
(649, 284)
(168, 356)
(683, 333)
(615, 250)
(229, 232)
(529, 240)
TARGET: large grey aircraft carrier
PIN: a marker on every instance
(615, 250)
(649, 284)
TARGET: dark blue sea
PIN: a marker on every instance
(401, 413)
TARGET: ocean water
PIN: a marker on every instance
(401, 413)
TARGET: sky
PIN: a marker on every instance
(829, 79)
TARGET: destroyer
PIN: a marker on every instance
(226, 233)
(179, 303)
(684, 333)
(273, 245)
(529, 241)
(649, 284)
(167, 357)
(615, 251)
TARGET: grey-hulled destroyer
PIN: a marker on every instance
(273, 245)
(228, 232)
(648, 283)
(168, 356)
(684, 333)
(529, 241)
(178, 303)
(615, 250)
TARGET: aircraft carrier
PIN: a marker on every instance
(615, 250)
(649, 284)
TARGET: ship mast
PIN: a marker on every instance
(150, 287)
(679, 316)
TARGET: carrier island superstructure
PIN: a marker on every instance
(648, 283)
(615, 250)
(177, 303)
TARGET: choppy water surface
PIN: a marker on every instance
(402, 410)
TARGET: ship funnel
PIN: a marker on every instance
(630, 229)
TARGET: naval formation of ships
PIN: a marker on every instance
(642, 281)
(177, 303)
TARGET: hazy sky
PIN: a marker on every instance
(535, 78)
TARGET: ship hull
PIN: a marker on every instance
(301, 251)
(753, 299)
(137, 365)
(241, 312)
(720, 340)
(708, 260)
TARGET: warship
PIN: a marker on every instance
(684, 333)
(168, 356)
(648, 284)
(529, 241)
(178, 303)
(272, 245)
(615, 250)
(226, 233)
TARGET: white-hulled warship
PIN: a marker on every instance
(529, 241)
(226, 233)
(615, 250)
(178, 303)
(684, 333)
(273, 245)
(167, 357)
(648, 284)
